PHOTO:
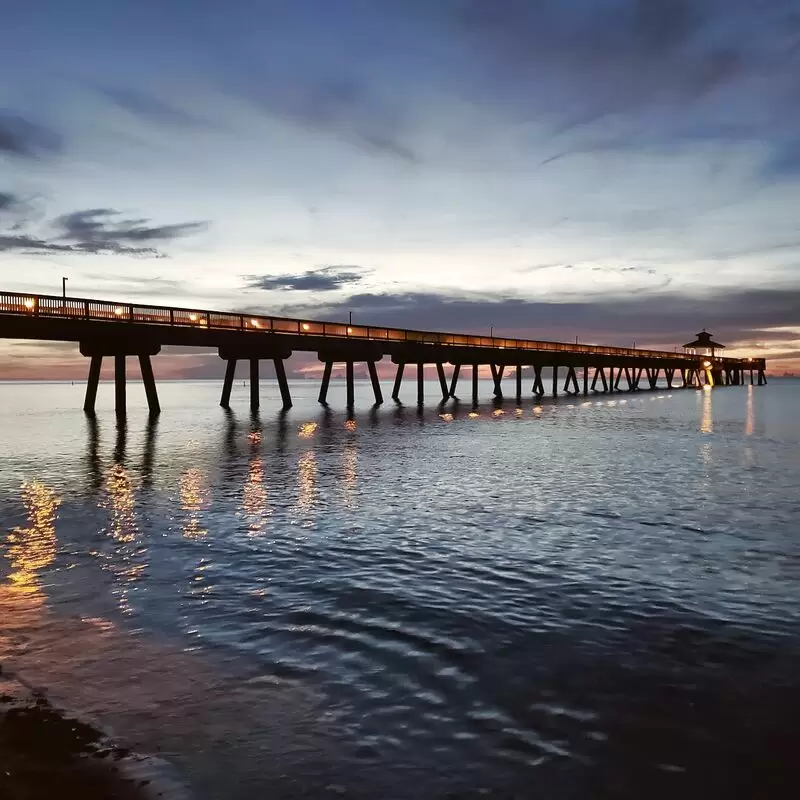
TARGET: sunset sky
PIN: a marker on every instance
(615, 170)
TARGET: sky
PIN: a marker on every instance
(616, 170)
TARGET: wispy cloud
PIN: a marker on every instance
(24, 139)
(149, 107)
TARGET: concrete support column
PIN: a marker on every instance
(376, 385)
(283, 384)
(442, 381)
(474, 384)
(420, 384)
(120, 399)
(555, 381)
(454, 379)
(254, 398)
(398, 379)
(497, 377)
(326, 382)
(94, 379)
(149, 384)
(350, 383)
(518, 378)
(585, 381)
(227, 385)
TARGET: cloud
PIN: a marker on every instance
(24, 139)
(149, 107)
(99, 230)
(323, 279)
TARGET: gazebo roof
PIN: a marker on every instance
(704, 340)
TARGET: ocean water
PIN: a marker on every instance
(577, 599)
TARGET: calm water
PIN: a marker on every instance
(580, 600)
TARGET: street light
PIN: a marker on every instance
(491, 332)
(64, 290)
(351, 318)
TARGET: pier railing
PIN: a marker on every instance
(88, 310)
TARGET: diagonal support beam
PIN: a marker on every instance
(376, 384)
(398, 380)
(94, 379)
(571, 382)
(497, 377)
(283, 384)
(227, 384)
(538, 385)
(454, 380)
(149, 384)
(442, 381)
(326, 382)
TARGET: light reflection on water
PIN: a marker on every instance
(33, 548)
(481, 598)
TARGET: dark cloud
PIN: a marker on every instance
(149, 107)
(99, 230)
(24, 139)
(657, 318)
(8, 201)
(324, 279)
(101, 227)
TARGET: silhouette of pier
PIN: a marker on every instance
(105, 329)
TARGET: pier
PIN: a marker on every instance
(120, 331)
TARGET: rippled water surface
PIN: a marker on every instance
(572, 600)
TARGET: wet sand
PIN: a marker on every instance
(44, 752)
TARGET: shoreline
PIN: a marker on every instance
(48, 752)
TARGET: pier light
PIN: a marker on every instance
(306, 326)
(706, 364)
(29, 303)
(119, 311)
(255, 323)
(193, 317)
(349, 330)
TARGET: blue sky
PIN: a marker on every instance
(615, 170)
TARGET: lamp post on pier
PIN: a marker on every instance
(64, 291)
